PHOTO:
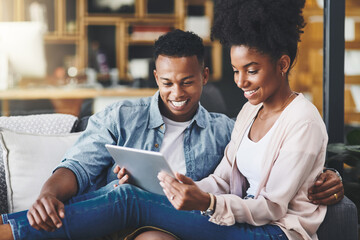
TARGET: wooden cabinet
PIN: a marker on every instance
(78, 30)
(307, 74)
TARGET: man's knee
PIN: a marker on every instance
(154, 235)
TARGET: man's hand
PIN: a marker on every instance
(327, 189)
(122, 175)
(46, 213)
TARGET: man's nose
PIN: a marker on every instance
(177, 90)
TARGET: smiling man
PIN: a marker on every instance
(172, 122)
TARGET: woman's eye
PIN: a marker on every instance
(252, 72)
(235, 71)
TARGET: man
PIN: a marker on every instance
(172, 122)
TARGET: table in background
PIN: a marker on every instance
(68, 100)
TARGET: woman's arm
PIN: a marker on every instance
(299, 161)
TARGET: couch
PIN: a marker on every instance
(31, 146)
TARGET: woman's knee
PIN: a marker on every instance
(155, 235)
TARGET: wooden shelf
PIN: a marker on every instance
(352, 79)
(86, 16)
(65, 39)
(309, 67)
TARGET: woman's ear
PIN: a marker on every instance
(284, 64)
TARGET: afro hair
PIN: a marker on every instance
(271, 27)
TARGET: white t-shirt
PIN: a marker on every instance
(249, 158)
(173, 144)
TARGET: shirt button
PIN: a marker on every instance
(162, 127)
(156, 145)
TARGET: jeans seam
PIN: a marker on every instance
(14, 229)
(5, 218)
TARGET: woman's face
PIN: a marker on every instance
(256, 74)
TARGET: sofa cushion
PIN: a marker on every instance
(40, 124)
(29, 160)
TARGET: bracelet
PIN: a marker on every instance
(211, 208)
(335, 171)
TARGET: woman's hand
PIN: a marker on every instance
(122, 175)
(183, 193)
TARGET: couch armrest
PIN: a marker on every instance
(341, 222)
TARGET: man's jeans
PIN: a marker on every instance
(111, 209)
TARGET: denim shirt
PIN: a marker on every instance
(139, 124)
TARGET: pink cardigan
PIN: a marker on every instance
(293, 160)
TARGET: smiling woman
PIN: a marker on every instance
(259, 189)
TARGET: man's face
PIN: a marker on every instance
(180, 81)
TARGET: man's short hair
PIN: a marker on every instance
(178, 43)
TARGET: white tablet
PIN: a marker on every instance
(142, 165)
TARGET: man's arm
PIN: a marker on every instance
(327, 189)
(48, 209)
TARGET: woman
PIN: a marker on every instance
(277, 149)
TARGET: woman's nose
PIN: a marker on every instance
(239, 80)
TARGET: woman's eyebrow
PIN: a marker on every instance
(247, 65)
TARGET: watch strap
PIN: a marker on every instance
(335, 171)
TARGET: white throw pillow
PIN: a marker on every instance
(29, 160)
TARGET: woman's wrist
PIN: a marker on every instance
(211, 205)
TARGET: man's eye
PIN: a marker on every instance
(187, 83)
(166, 84)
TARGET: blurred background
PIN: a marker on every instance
(75, 56)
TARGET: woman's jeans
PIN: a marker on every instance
(112, 209)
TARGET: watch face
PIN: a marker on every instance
(209, 212)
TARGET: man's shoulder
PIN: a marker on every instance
(220, 119)
(129, 103)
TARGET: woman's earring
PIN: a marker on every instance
(282, 74)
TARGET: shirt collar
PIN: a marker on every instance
(156, 119)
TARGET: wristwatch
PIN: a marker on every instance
(211, 208)
(335, 171)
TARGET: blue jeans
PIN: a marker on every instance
(128, 206)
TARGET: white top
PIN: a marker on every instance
(173, 144)
(249, 158)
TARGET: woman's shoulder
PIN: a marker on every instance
(302, 110)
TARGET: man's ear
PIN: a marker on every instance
(206, 74)
(156, 77)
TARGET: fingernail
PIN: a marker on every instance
(58, 225)
(162, 184)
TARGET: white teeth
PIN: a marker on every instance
(250, 92)
(178, 104)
